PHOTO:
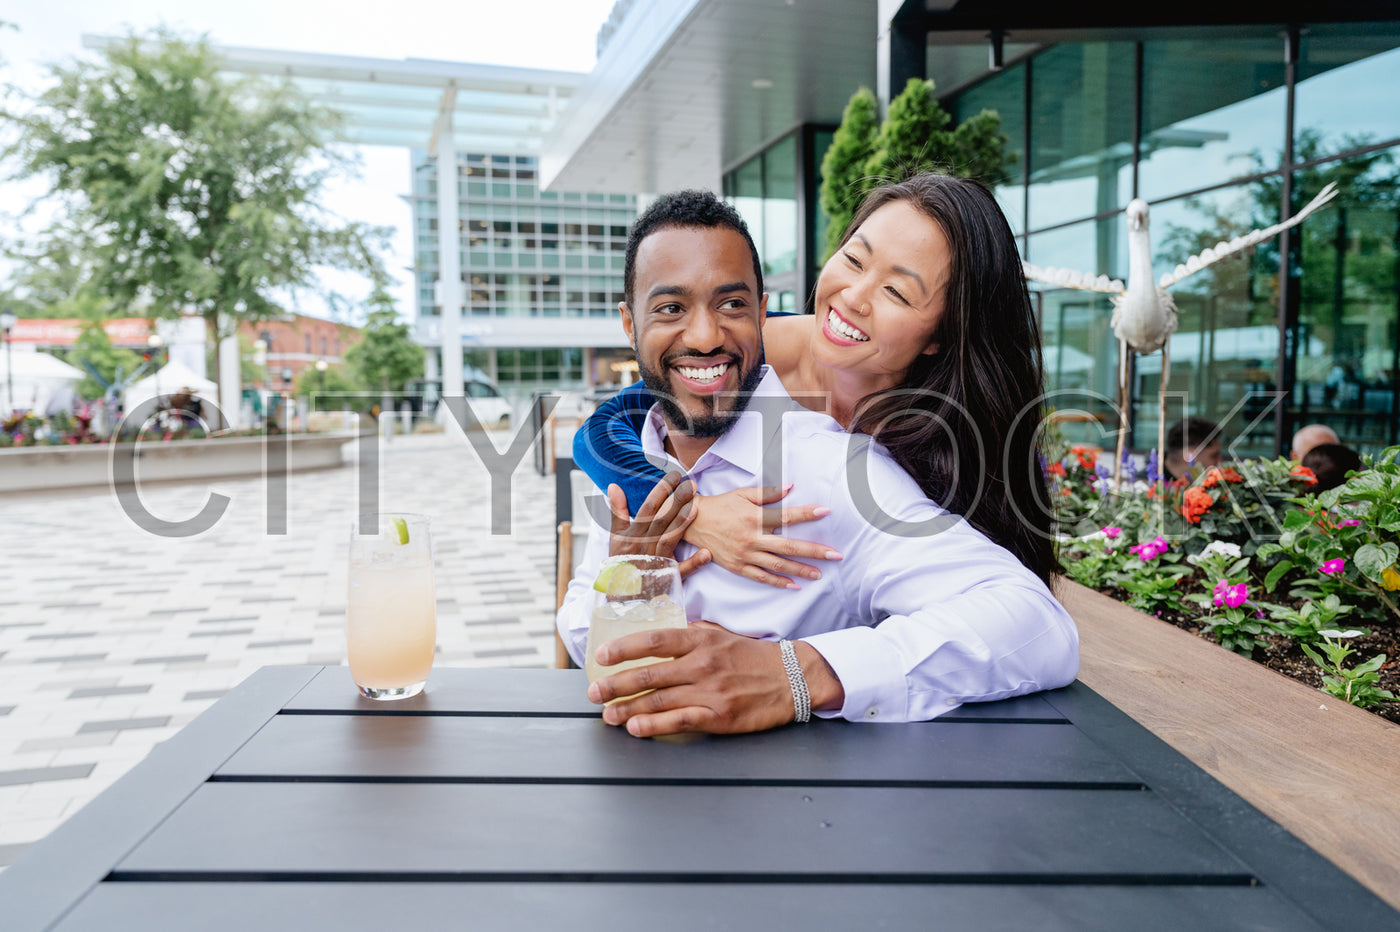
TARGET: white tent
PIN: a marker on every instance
(36, 377)
(172, 378)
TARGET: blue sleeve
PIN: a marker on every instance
(608, 446)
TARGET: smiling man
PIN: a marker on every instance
(923, 612)
(701, 367)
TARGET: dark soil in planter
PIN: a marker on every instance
(1283, 655)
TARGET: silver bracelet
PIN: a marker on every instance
(801, 698)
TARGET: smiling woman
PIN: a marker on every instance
(925, 339)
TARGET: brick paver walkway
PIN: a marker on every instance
(112, 638)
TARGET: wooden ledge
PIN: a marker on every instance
(1321, 768)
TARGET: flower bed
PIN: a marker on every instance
(1248, 556)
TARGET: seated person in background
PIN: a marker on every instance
(1330, 462)
(916, 613)
(1192, 443)
(1310, 436)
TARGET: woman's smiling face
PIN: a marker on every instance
(880, 296)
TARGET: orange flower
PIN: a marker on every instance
(1302, 472)
(1056, 469)
(1088, 456)
(1197, 503)
(1216, 474)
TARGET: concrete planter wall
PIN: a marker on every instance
(26, 469)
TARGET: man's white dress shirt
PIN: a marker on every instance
(923, 614)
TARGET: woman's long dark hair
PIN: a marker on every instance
(965, 423)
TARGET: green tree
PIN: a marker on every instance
(332, 379)
(249, 371)
(843, 166)
(917, 135)
(186, 190)
(54, 280)
(386, 356)
(103, 363)
(912, 137)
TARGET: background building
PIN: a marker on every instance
(1224, 119)
(289, 346)
(512, 281)
(542, 272)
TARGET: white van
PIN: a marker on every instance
(491, 408)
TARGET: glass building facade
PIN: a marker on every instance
(1215, 129)
(787, 223)
(525, 253)
(1214, 132)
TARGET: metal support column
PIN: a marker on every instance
(449, 290)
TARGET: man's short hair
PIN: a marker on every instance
(686, 209)
(1189, 433)
(1331, 462)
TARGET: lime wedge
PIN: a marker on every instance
(620, 581)
(401, 526)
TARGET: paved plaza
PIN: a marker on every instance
(112, 638)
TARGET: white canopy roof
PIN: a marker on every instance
(36, 376)
(171, 378)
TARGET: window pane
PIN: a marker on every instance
(1081, 353)
(1082, 105)
(778, 248)
(1347, 359)
(1005, 93)
(1212, 110)
(816, 246)
(746, 182)
(1346, 88)
(1224, 352)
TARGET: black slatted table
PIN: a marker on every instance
(499, 800)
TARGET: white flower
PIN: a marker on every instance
(1097, 535)
(1216, 547)
(1334, 633)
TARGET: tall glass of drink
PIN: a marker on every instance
(391, 611)
(632, 593)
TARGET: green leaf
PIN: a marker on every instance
(1316, 658)
(1374, 559)
(1370, 666)
(1278, 572)
(1296, 520)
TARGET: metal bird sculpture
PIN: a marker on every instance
(1144, 316)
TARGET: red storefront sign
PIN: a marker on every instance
(122, 331)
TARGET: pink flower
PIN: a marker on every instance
(1351, 522)
(1151, 549)
(1231, 596)
(1333, 566)
(1111, 532)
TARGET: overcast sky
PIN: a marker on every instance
(529, 33)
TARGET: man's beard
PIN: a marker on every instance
(704, 426)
